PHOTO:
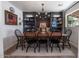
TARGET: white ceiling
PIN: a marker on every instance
(35, 6)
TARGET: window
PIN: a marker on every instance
(72, 21)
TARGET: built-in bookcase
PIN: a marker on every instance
(29, 22)
(58, 18)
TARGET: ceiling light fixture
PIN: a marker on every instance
(43, 14)
(60, 4)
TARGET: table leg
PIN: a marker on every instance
(47, 45)
(38, 46)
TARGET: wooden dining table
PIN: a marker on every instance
(44, 34)
(48, 34)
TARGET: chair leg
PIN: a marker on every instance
(27, 48)
(58, 47)
(48, 42)
(22, 45)
(38, 47)
(35, 48)
(51, 47)
(69, 44)
(22, 48)
(17, 46)
(47, 47)
(63, 46)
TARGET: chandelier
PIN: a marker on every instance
(43, 14)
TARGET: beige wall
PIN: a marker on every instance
(74, 37)
(9, 38)
(75, 30)
(1, 33)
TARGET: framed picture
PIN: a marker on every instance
(10, 18)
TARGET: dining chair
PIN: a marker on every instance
(20, 39)
(55, 40)
(42, 35)
(67, 38)
(43, 39)
(31, 40)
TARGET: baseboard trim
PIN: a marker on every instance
(40, 57)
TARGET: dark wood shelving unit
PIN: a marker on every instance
(59, 21)
(29, 22)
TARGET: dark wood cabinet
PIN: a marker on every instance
(29, 22)
(56, 21)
